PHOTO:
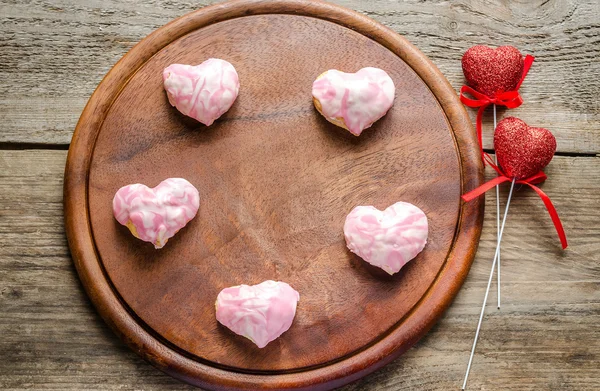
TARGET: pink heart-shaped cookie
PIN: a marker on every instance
(203, 92)
(260, 312)
(353, 101)
(522, 150)
(387, 239)
(491, 71)
(155, 215)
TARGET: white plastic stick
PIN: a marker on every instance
(497, 214)
(487, 291)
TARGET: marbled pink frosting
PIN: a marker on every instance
(387, 239)
(155, 215)
(260, 312)
(203, 92)
(359, 98)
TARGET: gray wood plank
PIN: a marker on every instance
(54, 53)
(546, 337)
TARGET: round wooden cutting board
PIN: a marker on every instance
(276, 182)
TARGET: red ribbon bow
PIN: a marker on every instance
(510, 99)
(531, 182)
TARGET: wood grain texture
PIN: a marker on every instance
(54, 53)
(546, 337)
(272, 138)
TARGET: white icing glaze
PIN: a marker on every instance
(203, 92)
(155, 215)
(387, 239)
(260, 312)
(358, 99)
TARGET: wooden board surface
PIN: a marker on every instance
(545, 337)
(276, 182)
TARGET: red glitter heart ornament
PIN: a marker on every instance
(522, 150)
(491, 71)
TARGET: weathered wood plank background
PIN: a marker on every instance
(547, 335)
